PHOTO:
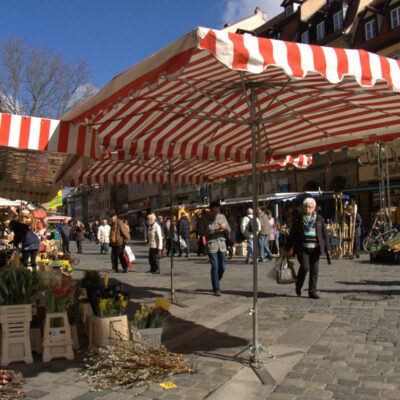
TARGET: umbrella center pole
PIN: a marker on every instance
(255, 347)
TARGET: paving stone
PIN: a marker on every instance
(367, 391)
(36, 394)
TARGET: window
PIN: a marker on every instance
(370, 29)
(305, 37)
(338, 20)
(395, 17)
(321, 30)
(289, 10)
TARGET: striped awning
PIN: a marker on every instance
(184, 172)
(38, 155)
(202, 96)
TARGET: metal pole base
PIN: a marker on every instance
(175, 301)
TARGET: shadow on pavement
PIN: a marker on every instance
(368, 282)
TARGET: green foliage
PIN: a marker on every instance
(91, 279)
(149, 317)
(17, 286)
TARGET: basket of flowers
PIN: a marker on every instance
(148, 324)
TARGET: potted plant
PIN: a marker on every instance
(109, 322)
(18, 287)
(58, 292)
(149, 322)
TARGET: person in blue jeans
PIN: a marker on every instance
(246, 227)
(263, 235)
(215, 228)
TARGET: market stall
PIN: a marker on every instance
(214, 95)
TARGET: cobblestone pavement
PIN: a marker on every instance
(343, 346)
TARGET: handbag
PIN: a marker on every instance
(285, 272)
(182, 244)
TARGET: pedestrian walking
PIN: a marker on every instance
(171, 247)
(65, 234)
(154, 239)
(309, 239)
(216, 228)
(246, 228)
(263, 235)
(95, 228)
(161, 222)
(184, 233)
(231, 240)
(272, 233)
(119, 237)
(103, 236)
(201, 248)
(357, 230)
(79, 231)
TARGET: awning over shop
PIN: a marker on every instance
(38, 156)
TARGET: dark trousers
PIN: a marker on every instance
(117, 253)
(309, 262)
(65, 245)
(25, 257)
(154, 260)
(79, 246)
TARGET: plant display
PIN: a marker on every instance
(58, 290)
(110, 302)
(91, 279)
(17, 286)
(113, 306)
(150, 317)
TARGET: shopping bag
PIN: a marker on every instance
(129, 253)
(182, 244)
(128, 263)
(285, 272)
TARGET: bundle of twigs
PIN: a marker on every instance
(131, 364)
(11, 384)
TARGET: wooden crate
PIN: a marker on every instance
(109, 330)
(15, 333)
(241, 249)
(57, 342)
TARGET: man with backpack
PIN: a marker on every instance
(246, 228)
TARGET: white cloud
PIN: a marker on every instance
(235, 10)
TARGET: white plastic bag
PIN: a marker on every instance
(182, 244)
(130, 254)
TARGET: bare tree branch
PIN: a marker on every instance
(40, 82)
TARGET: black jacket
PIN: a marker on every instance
(296, 236)
(184, 227)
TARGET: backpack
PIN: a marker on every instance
(250, 225)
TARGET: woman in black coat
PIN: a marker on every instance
(309, 240)
(30, 242)
(184, 233)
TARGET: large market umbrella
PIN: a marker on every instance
(214, 95)
(38, 155)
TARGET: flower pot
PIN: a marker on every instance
(109, 330)
(57, 341)
(154, 334)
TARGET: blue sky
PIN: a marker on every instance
(113, 35)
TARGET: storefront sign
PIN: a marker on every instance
(370, 173)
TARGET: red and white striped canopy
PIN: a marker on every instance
(184, 172)
(200, 97)
(35, 153)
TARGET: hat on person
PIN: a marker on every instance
(215, 203)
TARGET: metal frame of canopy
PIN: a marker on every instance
(213, 95)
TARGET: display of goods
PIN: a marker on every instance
(393, 244)
(17, 286)
(5, 256)
(11, 384)
(131, 364)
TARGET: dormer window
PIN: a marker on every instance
(289, 10)
(370, 29)
(305, 37)
(321, 30)
(395, 17)
(338, 20)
